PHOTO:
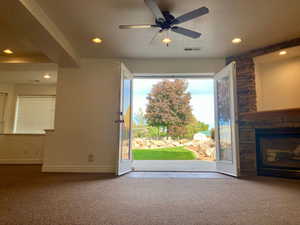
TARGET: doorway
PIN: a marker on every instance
(164, 134)
(173, 123)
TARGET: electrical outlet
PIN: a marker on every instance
(90, 158)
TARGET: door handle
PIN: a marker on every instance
(119, 121)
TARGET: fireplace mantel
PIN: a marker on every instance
(279, 115)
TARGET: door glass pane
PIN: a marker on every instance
(127, 119)
(224, 119)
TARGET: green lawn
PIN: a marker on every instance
(175, 153)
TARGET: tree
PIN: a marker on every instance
(169, 107)
(194, 127)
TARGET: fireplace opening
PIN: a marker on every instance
(278, 152)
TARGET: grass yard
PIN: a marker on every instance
(175, 153)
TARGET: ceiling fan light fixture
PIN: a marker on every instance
(167, 40)
(164, 20)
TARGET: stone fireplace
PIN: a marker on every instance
(278, 152)
(252, 121)
(268, 123)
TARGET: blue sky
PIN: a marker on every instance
(202, 92)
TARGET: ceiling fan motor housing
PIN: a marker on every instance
(165, 24)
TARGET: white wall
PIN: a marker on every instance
(160, 66)
(277, 84)
(87, 103)
(21, 148)
(32, 89)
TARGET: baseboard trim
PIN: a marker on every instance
(77, 169)
(21, 161)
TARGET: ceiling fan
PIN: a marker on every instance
(165, 21)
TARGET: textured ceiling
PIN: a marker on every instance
(257, 22)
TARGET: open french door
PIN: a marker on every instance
(226, 127)
(125, 124)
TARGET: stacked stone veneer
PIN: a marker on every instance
(246, 93)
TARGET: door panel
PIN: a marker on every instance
(125, 154)
(226, 121)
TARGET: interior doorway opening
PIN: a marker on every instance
(173, 125)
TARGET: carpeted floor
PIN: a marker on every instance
(28, 197)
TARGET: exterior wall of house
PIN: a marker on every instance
(87, 101)
(277, 84)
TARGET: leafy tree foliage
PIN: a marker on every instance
(194, 127)
(169, 107)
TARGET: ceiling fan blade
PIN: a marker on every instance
(186, 32)
(152, 5)
(138, 26)
(190, 15)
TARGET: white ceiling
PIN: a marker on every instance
(27, 73)
(257, 22)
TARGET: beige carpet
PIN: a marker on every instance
(28, 197)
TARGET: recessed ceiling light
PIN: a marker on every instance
(166, 40)
(236, 40)
(47, 76)
(8, 51)
(283, 53)
(96, 40)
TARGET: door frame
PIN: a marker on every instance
(234, 114)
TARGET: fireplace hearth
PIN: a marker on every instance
(278, 152)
